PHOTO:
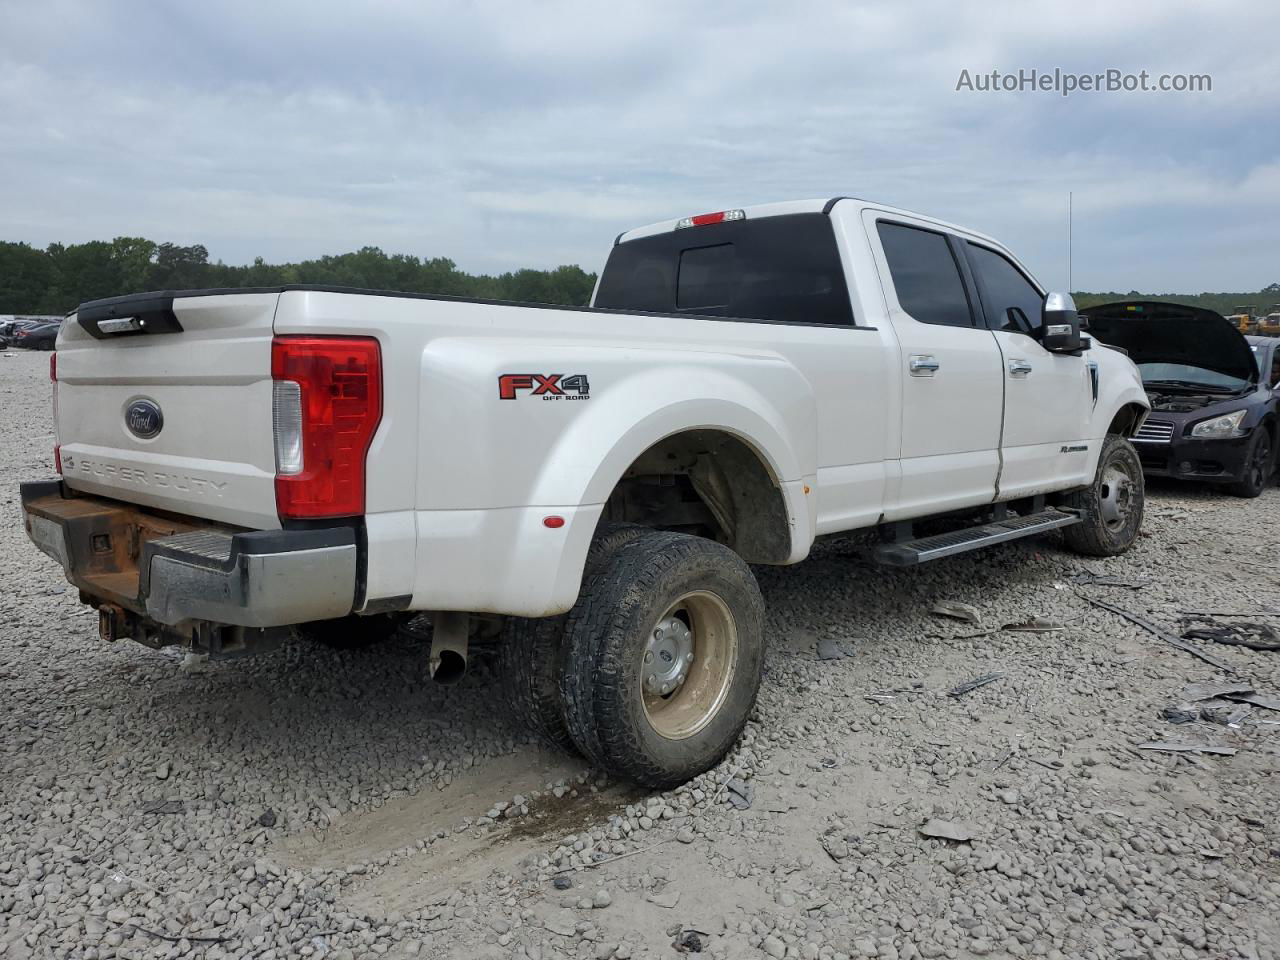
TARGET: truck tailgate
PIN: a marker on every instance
(199, 369)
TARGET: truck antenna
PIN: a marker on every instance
(1069, 219)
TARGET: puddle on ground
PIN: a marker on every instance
(550, 818)
(459, 858)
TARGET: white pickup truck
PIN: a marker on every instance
(590, 481)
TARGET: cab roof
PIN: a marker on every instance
(788, 207)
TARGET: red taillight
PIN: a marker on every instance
(53, 367)
(57, 459)
(324, 426)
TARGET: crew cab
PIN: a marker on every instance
(591, 481)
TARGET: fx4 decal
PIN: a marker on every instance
(550, 386)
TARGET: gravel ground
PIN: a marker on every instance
(326, 804)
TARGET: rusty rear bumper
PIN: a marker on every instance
(174, 571)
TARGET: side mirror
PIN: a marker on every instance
(1059, 329)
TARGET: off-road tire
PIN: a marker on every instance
(354, 632)
(530, 652)
(1259, 465)
(1096, 535)
(605, 641)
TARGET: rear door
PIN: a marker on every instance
(1048, 396)
(174, 414)
(952, 388)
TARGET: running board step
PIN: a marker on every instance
(907, 553)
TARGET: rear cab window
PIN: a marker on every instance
(925, 275)
(784, 269)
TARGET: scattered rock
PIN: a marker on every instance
(741, 793)
(829, 649)
(946, 830)
(562, 923)
(957, 610)
(667, 899)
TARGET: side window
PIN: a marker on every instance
(1009, 299)
(925, 275)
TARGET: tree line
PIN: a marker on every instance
(1266, 300)
(60, 277)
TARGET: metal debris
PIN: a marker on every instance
(1210, 691)
(970, 685)
(1035, 625)
(1255, 636)
(1224, 712)
(1164, 635)
(1088, 579)
(1181, 713)
(1267, 702)
(1212, 748)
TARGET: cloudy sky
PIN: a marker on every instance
(529, 134)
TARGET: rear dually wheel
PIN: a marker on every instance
(663, 658)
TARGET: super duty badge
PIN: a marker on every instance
(549, 386)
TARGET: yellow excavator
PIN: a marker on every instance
(1243, 320)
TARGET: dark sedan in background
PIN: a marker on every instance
(1213, 392)
(40, 336)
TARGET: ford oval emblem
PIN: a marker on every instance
(143, 418)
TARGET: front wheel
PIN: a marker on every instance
(1259, 462)
(1111, 507)
(663, 658)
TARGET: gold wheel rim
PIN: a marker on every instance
(687, 665)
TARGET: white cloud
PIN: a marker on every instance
(530, 134)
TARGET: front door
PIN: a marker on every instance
(1048, 396)
(950, 376)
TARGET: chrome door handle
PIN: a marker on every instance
(1019, 368)
(923, 365)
